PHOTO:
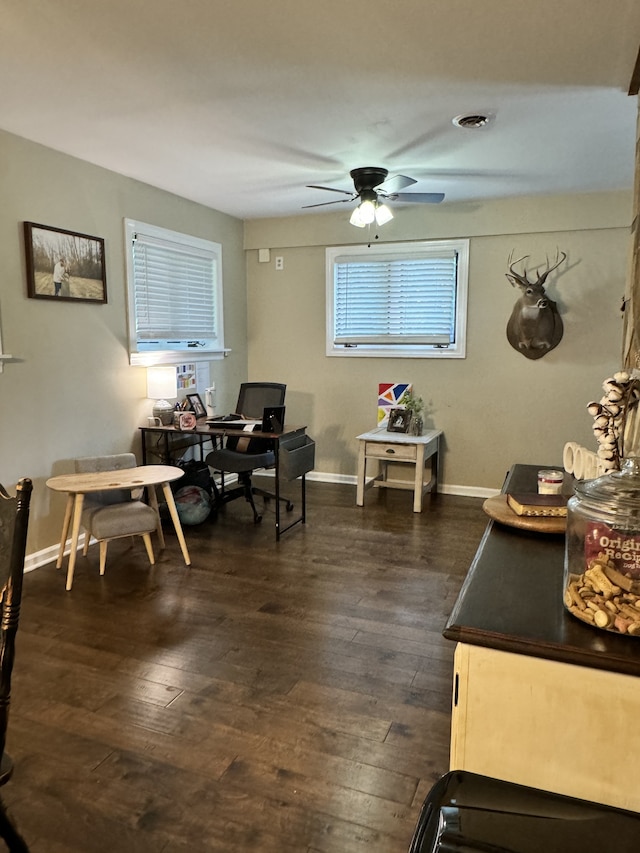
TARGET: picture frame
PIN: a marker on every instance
(196, 405)
(399, 420)
(63, 265)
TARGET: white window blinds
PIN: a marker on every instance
(390, 301)
(176, 292)
(398, 299)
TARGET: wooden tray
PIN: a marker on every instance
(498, 509)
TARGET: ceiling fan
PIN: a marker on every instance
(374, 188)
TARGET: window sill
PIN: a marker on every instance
(389, 352)
(147, 359)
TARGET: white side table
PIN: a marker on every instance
(385, 447)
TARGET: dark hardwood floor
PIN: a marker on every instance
(287, 697)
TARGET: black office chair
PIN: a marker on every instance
(14, 516)
(243, 455)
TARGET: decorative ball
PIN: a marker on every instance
(193, 505)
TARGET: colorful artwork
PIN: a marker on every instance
(186, 375)
(389, 396)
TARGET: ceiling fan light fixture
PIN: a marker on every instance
(373, 186)
(367, 211)
(356, 218)
(383, 214)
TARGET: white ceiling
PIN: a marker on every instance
(239, 104)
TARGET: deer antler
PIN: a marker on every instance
(559, 260)
(520, 278)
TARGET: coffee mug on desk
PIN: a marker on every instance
(152, 422)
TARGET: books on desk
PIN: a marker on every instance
(533, 504)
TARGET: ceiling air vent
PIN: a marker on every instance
(472, 122)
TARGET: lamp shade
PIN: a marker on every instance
(367, 212)
(370, 210)
(162, 383)
(383, 214)
(356, 219)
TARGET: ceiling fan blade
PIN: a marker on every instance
(329, 189)
(395, 184)
(324, 203)
(417, 198)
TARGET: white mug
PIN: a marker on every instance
(154, 422)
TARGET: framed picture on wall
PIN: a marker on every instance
(64, 265)
(399, 420)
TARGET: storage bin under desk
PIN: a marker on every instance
(296, 456)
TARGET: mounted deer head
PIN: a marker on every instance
(535, 326)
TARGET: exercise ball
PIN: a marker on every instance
(193, 504)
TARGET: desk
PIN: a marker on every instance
(540, 698)
(291, 451)
(79, 485)
(388, 447)
(171, 443)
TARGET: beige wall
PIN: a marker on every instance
(495, 407)
(71, 391)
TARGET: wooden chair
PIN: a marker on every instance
(113, 514)
(14, 516)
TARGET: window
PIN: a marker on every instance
(398, 300)
(175, 295)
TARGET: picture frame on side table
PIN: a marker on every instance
(64, 265)
(196, 404)
(399, 420)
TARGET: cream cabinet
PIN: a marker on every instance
(563, 728)
(540, 698)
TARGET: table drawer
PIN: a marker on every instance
(380, 450)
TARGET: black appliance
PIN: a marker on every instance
(468, 813)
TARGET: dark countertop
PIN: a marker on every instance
(511, 599)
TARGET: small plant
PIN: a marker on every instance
(414, 404)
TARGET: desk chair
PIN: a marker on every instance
(243, 455)
(14, 516)
(114, 514)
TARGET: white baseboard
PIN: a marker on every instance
(469, 491)
(50, 554)
(351, 480)
(445, 489)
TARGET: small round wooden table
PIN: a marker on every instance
(144, 476)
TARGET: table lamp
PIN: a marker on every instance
(162, 383)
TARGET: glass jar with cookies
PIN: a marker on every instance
(602, 551)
